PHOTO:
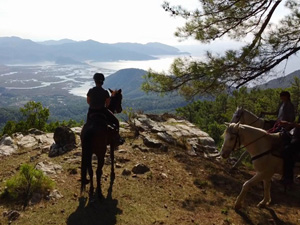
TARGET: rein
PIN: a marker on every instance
(242, 114)
(254, 157)
(112, 106)
(261, 155)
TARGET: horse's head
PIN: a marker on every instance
(237, 116)
(231, 139)
(115, 104)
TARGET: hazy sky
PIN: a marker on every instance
(107, 21)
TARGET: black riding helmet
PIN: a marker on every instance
(285, 93)
(99, 77)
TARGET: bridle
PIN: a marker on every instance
(237, 140)
(114, 102)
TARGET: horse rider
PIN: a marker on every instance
(291, 151)
(284, 112)
(98, 98)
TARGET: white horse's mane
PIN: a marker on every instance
(275, 135)
(239, 109)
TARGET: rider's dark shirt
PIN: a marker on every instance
(98, 96)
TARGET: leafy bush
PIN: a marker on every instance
(34, 115)
(28, 181)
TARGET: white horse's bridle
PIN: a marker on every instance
(237, 139)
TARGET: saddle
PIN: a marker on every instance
(278, 148)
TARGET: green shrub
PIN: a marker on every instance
(28, 181)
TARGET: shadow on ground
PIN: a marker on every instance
(95, 211)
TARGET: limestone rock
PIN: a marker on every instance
(49, 168)
(27, 141)
(151, 143)
(140, 169)
(7, 145)
(126, 172)
(156, 130)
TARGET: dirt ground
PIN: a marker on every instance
(178, 189)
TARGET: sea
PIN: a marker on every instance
(77, 79)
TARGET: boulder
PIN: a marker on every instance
(64, 136)
(140, 169)
(48, 168)
(7, 145)
(65, 140)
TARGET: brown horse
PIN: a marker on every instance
(95, 136)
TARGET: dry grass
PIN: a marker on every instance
(179, 189)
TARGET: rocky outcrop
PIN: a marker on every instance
(160, 131)
(65, 140)
(35, 140)
(157, 132)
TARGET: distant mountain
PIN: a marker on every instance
(150, 48)
(59, 42)
(281, 82)
(130, 81)
(16, 50)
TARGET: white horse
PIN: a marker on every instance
(246, 117)
(259, 144)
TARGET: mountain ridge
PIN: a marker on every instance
(14, 50)
(281, 82)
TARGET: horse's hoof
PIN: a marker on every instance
(263, 204)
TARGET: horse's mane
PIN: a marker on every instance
(254, 128)
(239, 109)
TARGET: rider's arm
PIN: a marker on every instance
(88, 99)
(269, 113)
(289, 124)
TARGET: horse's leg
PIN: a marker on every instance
(267, 195)
(90, 171)
(112, 158)
(246, 186)
(99, 172)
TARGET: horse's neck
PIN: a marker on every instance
(255, 140)
(252, 120)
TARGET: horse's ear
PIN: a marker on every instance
(111, 91)
(120, 91)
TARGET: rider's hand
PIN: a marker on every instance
(284, 123)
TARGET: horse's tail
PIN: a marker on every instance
(86, 157)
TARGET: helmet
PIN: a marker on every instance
(285, 93)
(99, 77)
